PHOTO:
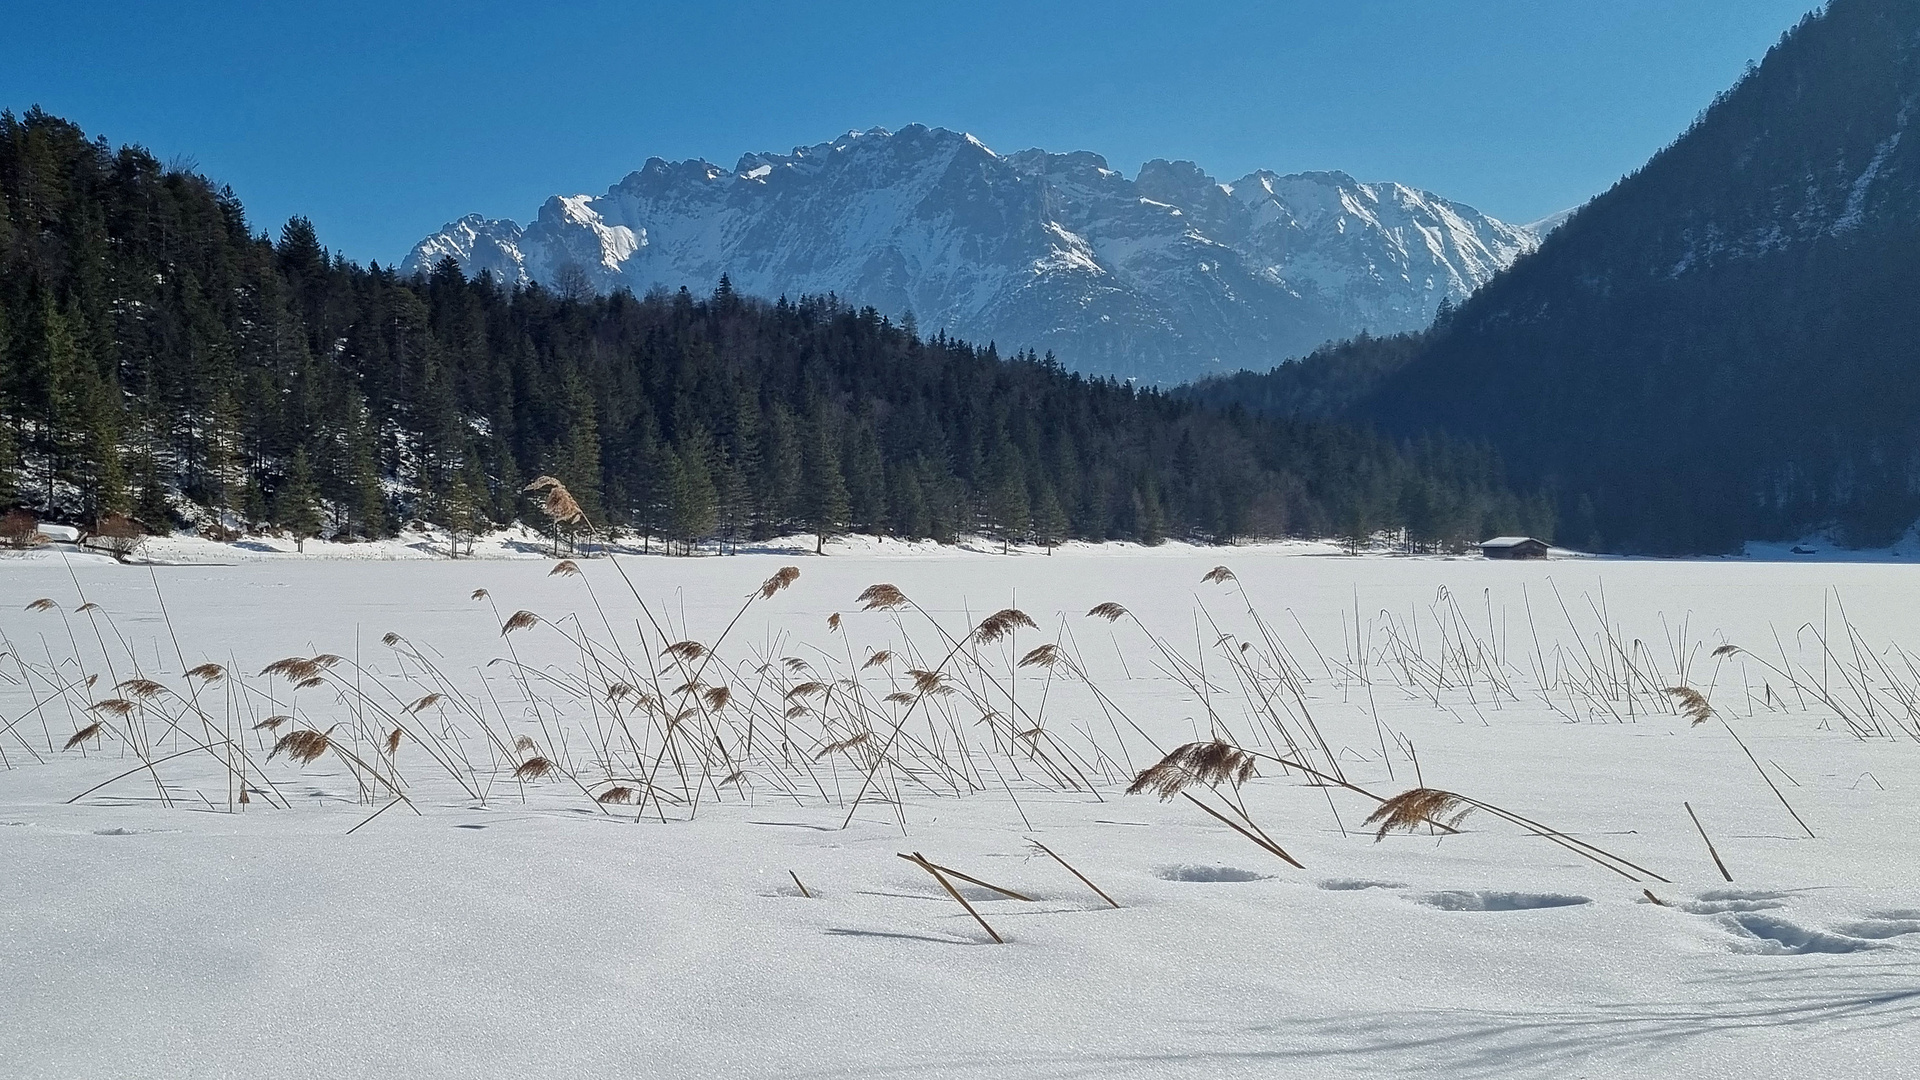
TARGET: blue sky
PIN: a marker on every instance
(381, 121)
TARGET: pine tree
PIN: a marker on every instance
(460, 512)
(866, 481)
(1049, 519)
(823, 486)
(579, 464)
(297, 503)
(691, 498)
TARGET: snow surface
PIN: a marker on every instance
(530, 934)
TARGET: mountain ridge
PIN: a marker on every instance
(1164, 276)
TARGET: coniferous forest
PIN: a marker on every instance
(162, 359)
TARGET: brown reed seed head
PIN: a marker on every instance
(806, 689)
(327, 659)
(564, 568)
(520, 620)
(1109, 611)
(83, 735)
(559, 503)
(86, 607)
(535, 768)
(393, 742)
(1000, 624)
(1219, 575)
(116, 706)
(924, 681)
(794, 663)
(1692, 703)
(144, 689)
(796, 711)
(843, 744)
(900, 697)
(1044, 656)
(293, 668)
(42, 604)
(878, 658)
(207, 673)
(390, 639)
(427, 702)
(786, 576)
(308, 684)
(881, 598)
(1415, 807)
(523, 744)
(1207, 763)
(618, 793)
(718, 698)
(736, 777)
(271, 723)
(304, 746)
(685, 650)
(1726, 650)
(479, 594)
(833, 622)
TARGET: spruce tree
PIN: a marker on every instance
(1049, 519)
(297, 503)
(691, 498)
(823, 486)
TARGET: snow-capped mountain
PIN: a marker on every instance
(1164, 276)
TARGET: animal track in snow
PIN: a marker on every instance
(1491, 900)
(1776, 936)
(1190, 872)
(1718, 901)
(1882, 926)
(1357, 884)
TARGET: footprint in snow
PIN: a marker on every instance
(1189, 872)
(1720, 901)
(1883, 925)
(1491, 900)
(1358, 884)
(1773, 936)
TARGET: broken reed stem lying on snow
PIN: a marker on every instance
(919, 860)
(801, 884)
(1709, 842)
(969, 879)
(1083, 878)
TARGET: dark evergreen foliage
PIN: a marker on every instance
(159, 357)
(1723, 347)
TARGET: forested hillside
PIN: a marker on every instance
(1726, 346)
(158, 357)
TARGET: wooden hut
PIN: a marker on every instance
(1514, 547)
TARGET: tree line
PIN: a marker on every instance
(160, 359)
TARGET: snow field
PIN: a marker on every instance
(533, 931)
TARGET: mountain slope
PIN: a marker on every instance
(1722, 347)
(1163, 277)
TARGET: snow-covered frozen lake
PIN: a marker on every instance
(489, 924)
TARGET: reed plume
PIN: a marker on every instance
(1109, 611)
(83, 735)
(535, 768)
(1000, 624)
(784, 577)
(882, 598)
(1207, 763)
(304, 746)
(1419, 806)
